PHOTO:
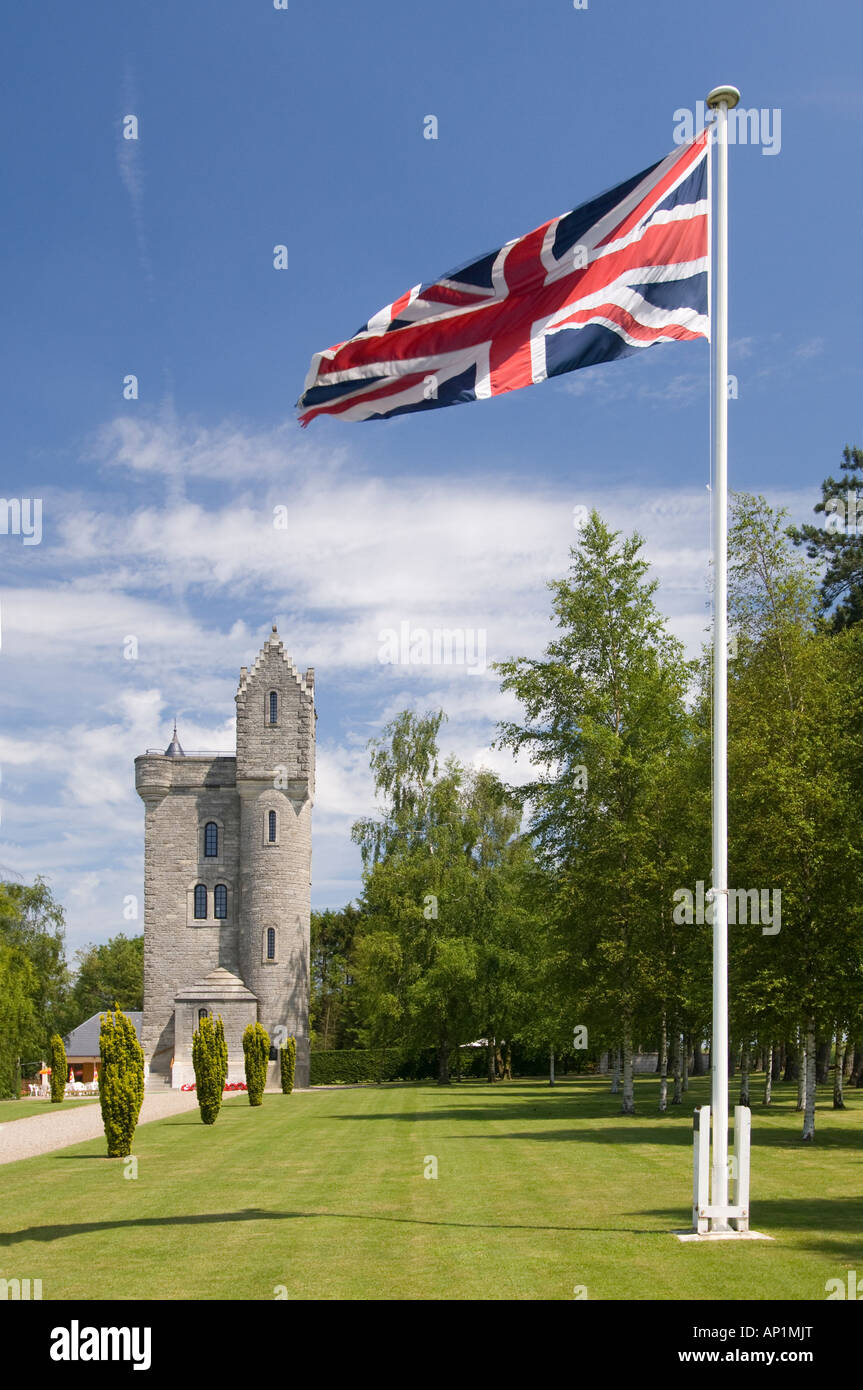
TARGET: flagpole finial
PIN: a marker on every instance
(729, 95)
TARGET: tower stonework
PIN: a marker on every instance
(275, 782)
(228, 876)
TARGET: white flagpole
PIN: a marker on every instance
(721, 99)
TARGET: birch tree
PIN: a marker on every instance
(793, 804)
(603, 712)
(443, 943)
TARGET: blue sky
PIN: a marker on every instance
(304, 127)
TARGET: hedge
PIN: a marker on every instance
(357, 1065)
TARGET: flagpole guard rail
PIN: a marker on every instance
(703, 1210)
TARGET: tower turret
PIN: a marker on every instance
(275, 782)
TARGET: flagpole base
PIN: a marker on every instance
(720, 1220)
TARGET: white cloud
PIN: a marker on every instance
(813, 347)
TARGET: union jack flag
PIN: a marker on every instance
(625, 271)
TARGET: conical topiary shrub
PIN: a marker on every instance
(256, 1046)
(121, 1081)
(210, 1060)
(221, 1049)
(58, 1069)
(288, 1064)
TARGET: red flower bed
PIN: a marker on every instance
(229, 1086)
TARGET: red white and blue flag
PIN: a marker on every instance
(625, 271)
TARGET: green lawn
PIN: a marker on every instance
(538, 1191)
(22, 1109)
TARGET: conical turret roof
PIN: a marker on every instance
(173, 749)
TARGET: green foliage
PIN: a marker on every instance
(210, 1060)
(33, 975)
(256, 1048)
(604, 719)
(288, 1064)
(447, 938)
(334, 1020)
(20, 1033)
(351, 1066)
(795, 698)
(58, 1069)
(121, 1081)
(354, 1066)
(838, 544)
(111, 971)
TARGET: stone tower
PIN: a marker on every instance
(227, 876)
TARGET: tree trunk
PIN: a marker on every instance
(443, 1063)
(768, 1075)
(498, 1061)
(800, 1073)
(857, 1064)
(615, 1073)
(489, 1056)
(628, 1104)
(700, 1061)
(685, 1084)
(778, 1063)
(809, 1069)
(839, 1071)
(677, 1097)
(507, 1063)
(663, 1067)
(744, 1073)
(551, 1067)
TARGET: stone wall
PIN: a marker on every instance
(180, 795)
(236, 1015)
(275, 772)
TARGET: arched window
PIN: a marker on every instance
(220, 900)
(200, 901)
(202, 1013)
(271, 820)
(211, 840)
(274, 707)
(271, 943)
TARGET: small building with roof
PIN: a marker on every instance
(82, 1046)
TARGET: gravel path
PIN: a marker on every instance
(39, 1134)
